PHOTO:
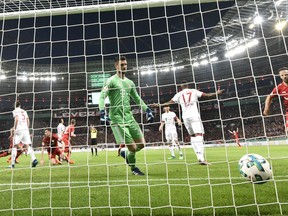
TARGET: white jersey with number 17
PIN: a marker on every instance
(188, 99)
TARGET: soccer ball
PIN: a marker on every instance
(255, 168)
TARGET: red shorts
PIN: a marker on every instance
(67, 149)
(66, 142)
(54, 152)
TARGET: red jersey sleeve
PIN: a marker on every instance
(70, 129)
(274, 92)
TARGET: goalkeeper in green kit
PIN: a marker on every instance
(126, 130)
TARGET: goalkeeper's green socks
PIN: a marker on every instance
(131, 158)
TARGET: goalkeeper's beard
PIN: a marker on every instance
(122, 73)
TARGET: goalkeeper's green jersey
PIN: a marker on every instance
(119, 92)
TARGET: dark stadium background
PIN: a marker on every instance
(78, 46)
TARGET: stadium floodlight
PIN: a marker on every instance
(280, 25)
(258, 20)
(252, 43)
(204, 62)
(195, 64)
(241, 48)
(166, 70)
(251, 26)
(147, 72)
(277, 3)
(3, 77)
(23, 78)
(214, 59)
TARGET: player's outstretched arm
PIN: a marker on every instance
(156, 105)
(268, 102)
(178, 121)
(219, 92)
(15, 122)
(161, 126)
(11, 133)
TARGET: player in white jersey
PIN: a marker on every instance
(60, 131)
(169, 119)
(21, 134)
(188, 99)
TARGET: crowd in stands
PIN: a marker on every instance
(236, 109)
(248, 118)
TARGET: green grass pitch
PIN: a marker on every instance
(104, 185)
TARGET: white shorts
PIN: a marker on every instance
(22, 136)
(171, 135)
(194, 125)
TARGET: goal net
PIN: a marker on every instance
(56, 57)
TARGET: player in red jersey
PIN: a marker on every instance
(69, 132)
(236, 136)
(281, 90)
(6, 152)
(50, 142)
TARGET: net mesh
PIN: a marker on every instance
(55, 57)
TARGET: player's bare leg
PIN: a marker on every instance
(238, 143)
(13, 155)
(68, 150)
(4, 154)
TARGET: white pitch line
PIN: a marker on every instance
(125, 181)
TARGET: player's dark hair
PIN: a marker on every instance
(60, 120)
(73, 121)
(281, 69)
(48, 129)
(17, 104)
(120, 58)
(184, 84)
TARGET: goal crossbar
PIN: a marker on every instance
(98, 8)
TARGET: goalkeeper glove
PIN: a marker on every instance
(149, 115)
(104, 119)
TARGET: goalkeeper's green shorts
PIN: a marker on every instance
(126, 134)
